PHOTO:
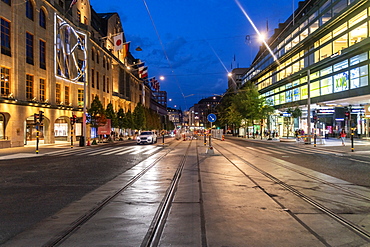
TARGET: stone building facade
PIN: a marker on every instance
(55, 57)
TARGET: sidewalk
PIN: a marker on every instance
(331, 143)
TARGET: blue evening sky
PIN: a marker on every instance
(198, 40)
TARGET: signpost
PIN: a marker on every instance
(211, 118)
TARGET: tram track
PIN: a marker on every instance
(154, 232)
(231, 155)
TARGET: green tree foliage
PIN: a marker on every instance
(110, 114)
(293, 112)
(121, 119)
(129, 120)
(96, 113)
(243, 107)
(139, 117)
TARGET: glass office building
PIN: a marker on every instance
(318, 60)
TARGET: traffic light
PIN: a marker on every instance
(41, 116)
(73, 119)
(35, 118)
(347, 114)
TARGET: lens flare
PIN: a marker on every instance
(257, 31)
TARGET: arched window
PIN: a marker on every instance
(29, 10)
(42, 19)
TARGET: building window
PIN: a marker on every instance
(29, 48)
(103, 83)
(92, 78)
(97, 79)
(104, 62)
(58, 93)
(7, 1)
(29, 87)
(42, 54)
(42, 90)
(29, 9)
(66, 95)
(97, 56)
(42, 18)
(79, 16)
(107, 85)
(80, 97)
(5, 37)
(5, 81)
(85, 20)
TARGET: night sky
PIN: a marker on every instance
(194, 43)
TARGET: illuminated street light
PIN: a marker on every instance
(161, 78)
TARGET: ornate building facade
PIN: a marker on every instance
(55, 57)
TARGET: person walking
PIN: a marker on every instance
(343, 136)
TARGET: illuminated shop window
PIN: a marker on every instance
(326, 85)
(304, 92)
(80, 97)
(359, 77)
(340, 44)
(326, 71)
(29, 87)
(42, 90)
(341, 82)
(66, 95)
(5, 81)
(315, 89)
(358, 59)
(358, 34)
(58, 93)
(296, 94)
(341, 65)
(358, 18)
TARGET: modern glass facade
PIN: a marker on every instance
(324, 46)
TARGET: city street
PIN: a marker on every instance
(249, 192)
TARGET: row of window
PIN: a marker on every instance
(96, 81)
(95, 56)
(5, 45)
(331, 44)
(31, 89)
(336, 82)
(326, 12)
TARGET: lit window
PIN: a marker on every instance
(5, 81)
(29, 87)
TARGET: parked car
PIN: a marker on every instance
(146, 137)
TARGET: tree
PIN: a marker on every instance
(293, 112)
(110, 114)
(139, 117)
(96, 114)
(121, 119)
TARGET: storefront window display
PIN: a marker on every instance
(341, 82)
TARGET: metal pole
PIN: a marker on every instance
(82, 140)
(308, 108)
(37, 138)
(352, 144)
(71, 135)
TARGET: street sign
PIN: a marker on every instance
(211, 117)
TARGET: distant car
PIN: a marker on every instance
(146, 137)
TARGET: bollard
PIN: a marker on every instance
(223, 138)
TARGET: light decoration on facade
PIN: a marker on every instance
(70, 52)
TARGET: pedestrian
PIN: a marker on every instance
(343, 136)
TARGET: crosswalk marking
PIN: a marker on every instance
(153, 150)
(116, 150)
(141, 150)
